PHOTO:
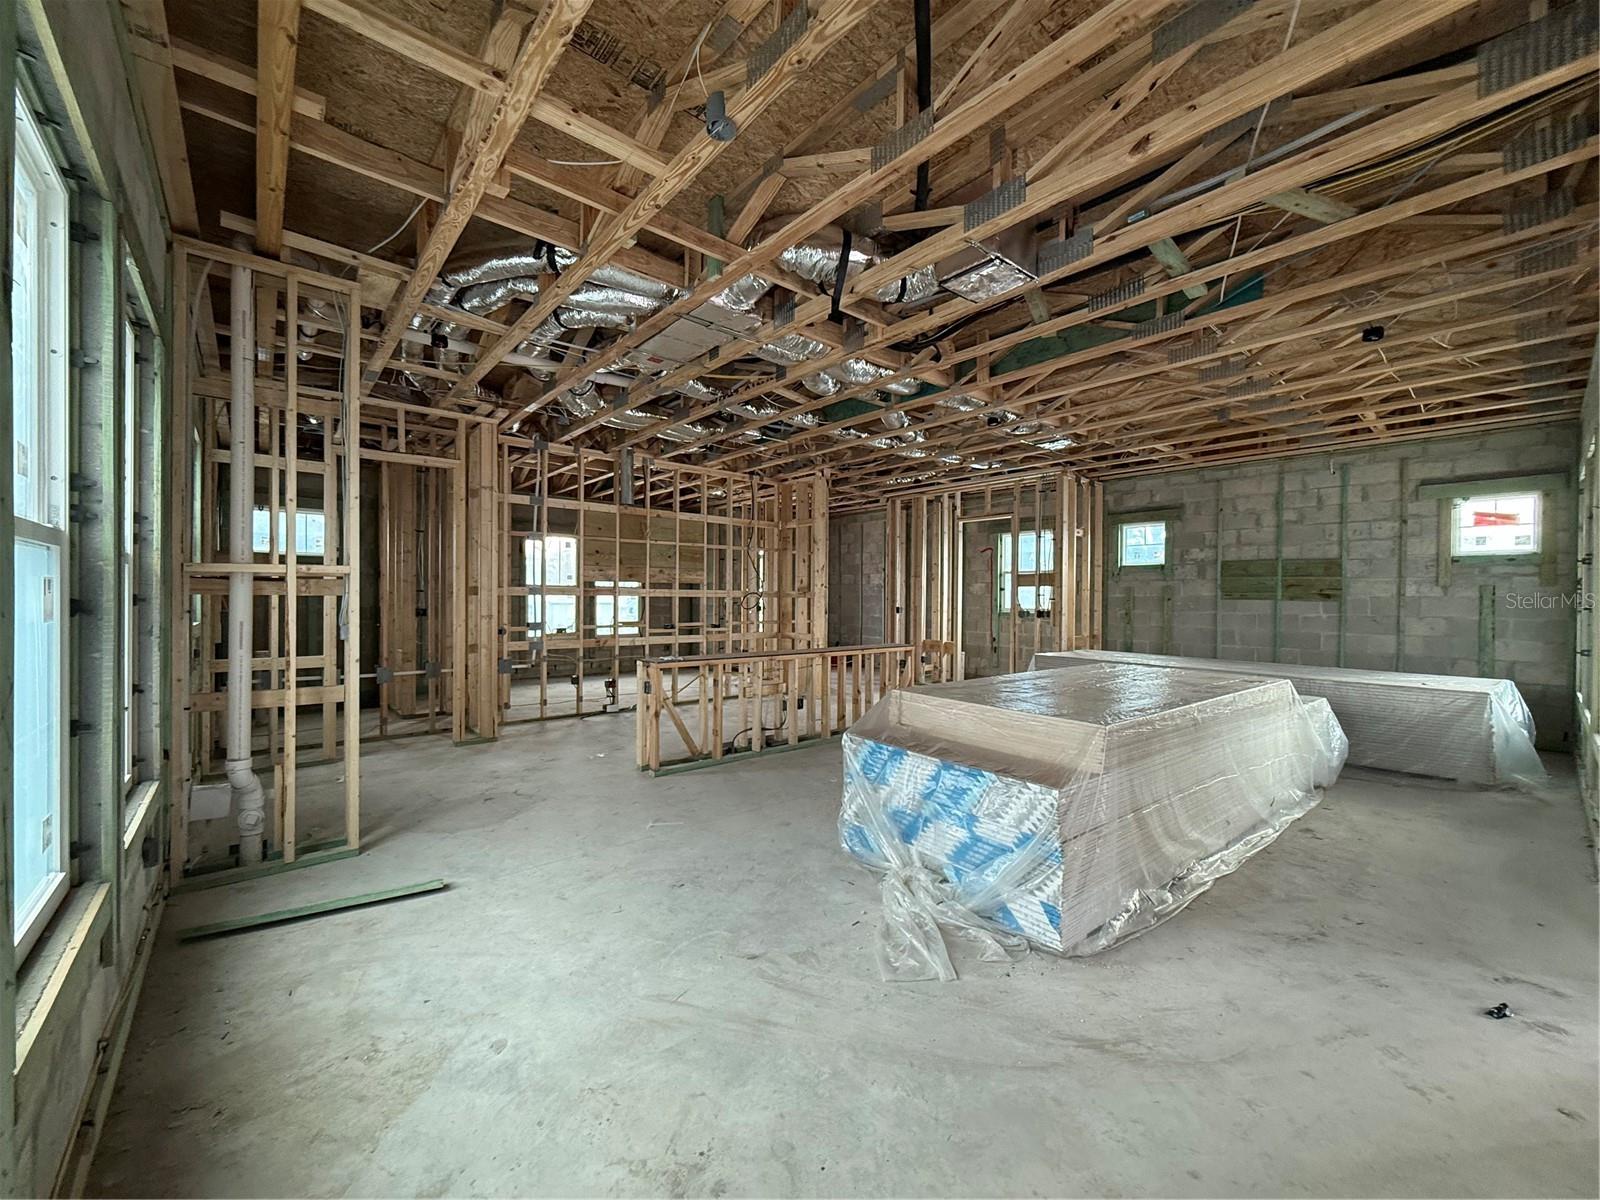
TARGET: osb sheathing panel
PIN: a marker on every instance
(223, 164)
(624, 46)
(371, 91)
(392, 102)
(323, 199)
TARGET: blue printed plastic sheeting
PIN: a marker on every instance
(993, 839)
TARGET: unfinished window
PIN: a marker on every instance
(551, 563)
(1491, 525)
(39, 306)
(610, 609)
(1033, 562)
(130, 476)
(1142, 544)
(310, 530)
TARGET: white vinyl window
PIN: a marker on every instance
(551, 563)
(1034, 557)
(310, 532)
(39, 305)
(1507, 524)
(608, 610)
(129, 581)
(1142, 544)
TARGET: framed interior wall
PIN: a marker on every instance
(305, 534)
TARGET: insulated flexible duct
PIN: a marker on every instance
(615, 298)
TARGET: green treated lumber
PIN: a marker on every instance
(200, 883)
(283, 915)
(700, 764)
(1167, 253)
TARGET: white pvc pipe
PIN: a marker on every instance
(248, 800)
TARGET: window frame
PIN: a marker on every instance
(620, 601)
(303, 519)
(540, 594)
(1141, 522)
(1008, 561)
(139, 632)
(130, 405)
(50, 269)
(1458, 505)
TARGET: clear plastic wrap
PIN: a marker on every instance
(1449, 726)
(1070, 809)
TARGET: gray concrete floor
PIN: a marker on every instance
(640, 986)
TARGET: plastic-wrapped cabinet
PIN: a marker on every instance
(1449, 726)
(1070, 809)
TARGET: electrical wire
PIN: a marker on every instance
(1255, 138)
(401, 229)
(1430, 156)
(1433, 152)
(695, 64)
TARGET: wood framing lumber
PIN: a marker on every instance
(153, 54)
(277, 38)
(438, 55)
(1104, 27)
(1302, 203)
(1166, 252)
(543, 46)
(755, 208)
(284, 916)
(948, 28)
(328, 143)
(1318, 57)
(405, 39)
(1400, 130)
(979, 67)
(719, 35)
(835, 19)
(473, 109)
(1038, 395)
(219, 68)
(309, 857)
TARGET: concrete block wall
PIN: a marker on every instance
(1398, 613)
(986, 622)
(856, 567)
(856, 579)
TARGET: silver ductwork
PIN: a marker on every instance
(961, 402)
(791, 349)
(755, 410)
(919, 287)
(695, 390)
(741, 295)
(820, 383)
(817, 259)
(543, 259)
(589, 404)
(616, 298)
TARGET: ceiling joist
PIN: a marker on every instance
(1310, 223)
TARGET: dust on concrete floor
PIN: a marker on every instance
(640, 986)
